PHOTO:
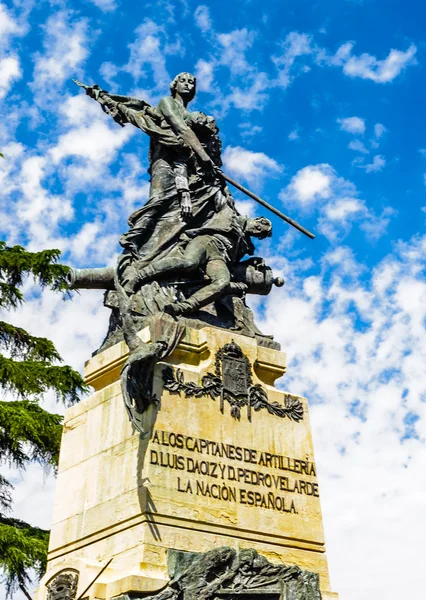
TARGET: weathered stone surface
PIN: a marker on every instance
(190, 483)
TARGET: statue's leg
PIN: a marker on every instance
(218, 272)
(182, 260)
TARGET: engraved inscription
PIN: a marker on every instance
(249, 477)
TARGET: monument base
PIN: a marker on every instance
(226, 461)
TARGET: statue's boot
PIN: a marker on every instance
(129, 279)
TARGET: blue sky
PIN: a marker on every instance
(320, 107)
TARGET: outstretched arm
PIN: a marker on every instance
(114, 105)
(123, 109)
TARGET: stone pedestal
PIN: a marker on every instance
(201, 478)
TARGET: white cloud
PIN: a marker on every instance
(66, 44)
(367, 66)
(10, 71)
(105, 5)
(252, 97)
(10, 65)
(37, 209)
(147, 59)
(230, 52)
(234, 46)
(310, 184)
(248, 130)
(379, 130)
(339, 215)
(293, 135)
(343, 208)
(358, 146)
(251, 166)
(95, 142)
(294, 46)
(202, 18)
(247, 208)
(376, 228)
(10, 26)
(80, 110)
(204, 72)
(80, 157)
(357, 126)
(378, 164)
(87, 146)
(146, 51)
(335, 201)
(352, 124)
(298, 52)
(356, 347)
(109, 72)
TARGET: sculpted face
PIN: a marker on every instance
(185, 84)
(260, 227)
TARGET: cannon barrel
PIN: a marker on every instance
(253, 272)
(91, 279)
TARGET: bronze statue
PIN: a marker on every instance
(182, 260)
(214, 247)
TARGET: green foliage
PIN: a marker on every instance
(28, 433)
(29, 377)
(16, 264)
(21, 344)
(22, 548)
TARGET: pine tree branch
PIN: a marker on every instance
(28, 433)
(16, 264)
(20, 344)
(5, 495)
(10, 295)
(33, 378)
(22, 548)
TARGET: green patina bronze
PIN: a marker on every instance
(187, 256)
(224, 573)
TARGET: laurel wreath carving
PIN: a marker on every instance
(292, 408)
(211, 385)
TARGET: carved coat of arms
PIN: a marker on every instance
(235, 371)
(232, 382)
(63, 586)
